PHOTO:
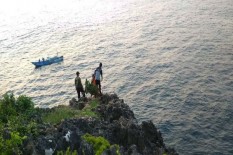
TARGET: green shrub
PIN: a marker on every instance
(7, 106)
(11, 146)
(90, 88)
(67, 152)
(99, 143)
(10, 107)
(15, 117)
(24, 104)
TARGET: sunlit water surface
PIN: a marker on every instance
(170, 60)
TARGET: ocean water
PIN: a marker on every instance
(170, 60)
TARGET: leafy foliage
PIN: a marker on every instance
(99, 143)
(19, 119)
(10, 106)
(24, 104)
(10, 146)
(67, 152)
(91, 88)
(7, 107)
(15, 118)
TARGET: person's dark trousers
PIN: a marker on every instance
(80, 90)
(98, 85)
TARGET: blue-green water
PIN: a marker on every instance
(170, 60)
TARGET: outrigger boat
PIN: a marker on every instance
(48, 61)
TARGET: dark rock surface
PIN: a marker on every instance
(117, 124)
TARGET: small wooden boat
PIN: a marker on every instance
(48, 61)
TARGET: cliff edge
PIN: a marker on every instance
(114, 130)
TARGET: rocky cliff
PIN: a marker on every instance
(115, 124)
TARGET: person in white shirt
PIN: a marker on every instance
(98, 77)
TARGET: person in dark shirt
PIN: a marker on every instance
(79, 86)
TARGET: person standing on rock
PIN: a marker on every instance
(78, 85)
(98, 77)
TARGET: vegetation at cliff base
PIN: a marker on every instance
(16, 122)
(19, 119)
(100, 144)
(67, 152)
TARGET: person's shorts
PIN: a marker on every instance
(97, 82)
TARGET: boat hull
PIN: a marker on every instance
(49, 61)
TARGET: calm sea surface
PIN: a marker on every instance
(170, 60)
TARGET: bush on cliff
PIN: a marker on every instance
(99, 143)
(67, 152)
(16, 122)
(19, 120)
(10, 144)
(10, 106)
(91, 88)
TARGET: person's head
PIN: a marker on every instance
(77, 73)
(100, 64)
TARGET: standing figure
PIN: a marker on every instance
(93, 80)
(98, 76)
(78, 85)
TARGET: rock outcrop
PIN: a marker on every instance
(117, 124)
